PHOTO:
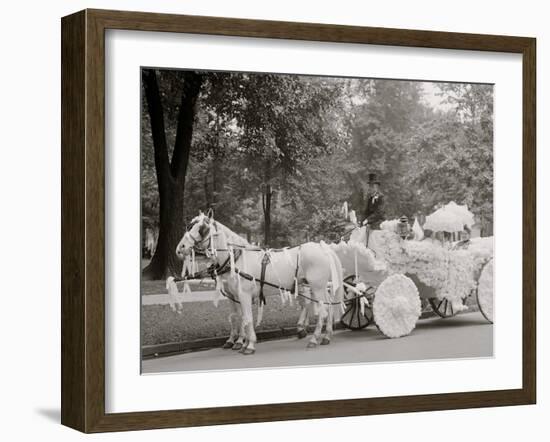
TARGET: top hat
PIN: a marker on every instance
(373, 179)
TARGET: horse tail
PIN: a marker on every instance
(338, 284)
(339, 276)
(260, 313)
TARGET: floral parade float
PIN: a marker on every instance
(388, 278)
(389, 275)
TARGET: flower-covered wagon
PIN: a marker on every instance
(390, 281)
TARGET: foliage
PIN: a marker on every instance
(313, 140)
(328, 225)
(452, 154)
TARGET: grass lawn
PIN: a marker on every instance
(159, 324)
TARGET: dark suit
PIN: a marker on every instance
(374, 211)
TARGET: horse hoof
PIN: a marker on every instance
(227, 345)
(248, 351)
(237, 346)
(312, 344)
(325, 341)
(302, 334)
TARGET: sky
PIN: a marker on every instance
(430, 96)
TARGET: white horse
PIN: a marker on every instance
(358, 261)
(312, 262)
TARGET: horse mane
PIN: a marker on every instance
(230, 236)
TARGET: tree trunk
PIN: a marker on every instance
(206, 191)
(170, 174)
(165, 261)
(266, 203)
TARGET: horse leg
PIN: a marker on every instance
(250, 347)
(334, 299)
(245, 298)
(251, 340)
(234, 320)
(240, 343)
(330, 320)
(303, 322)
(314, 341)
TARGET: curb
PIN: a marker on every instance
(173, 348)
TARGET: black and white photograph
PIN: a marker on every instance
(299, 220)
(264, 221)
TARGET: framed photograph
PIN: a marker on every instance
(267, 221)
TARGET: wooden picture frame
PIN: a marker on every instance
(83, 220)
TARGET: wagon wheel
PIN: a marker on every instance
(484, 293)
(442, 307)
(352, 317)
(396, 307)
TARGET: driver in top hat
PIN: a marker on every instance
(373, 214)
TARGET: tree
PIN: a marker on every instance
(280, 121)
(451, 155)
(170, 172)
(277, 155)
(387, 116)
(473, 103)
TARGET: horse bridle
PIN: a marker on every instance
(197, 242)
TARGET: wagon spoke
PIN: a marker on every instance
(441, 307)
(357, 314)
(352, 317)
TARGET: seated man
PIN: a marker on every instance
(374, 210)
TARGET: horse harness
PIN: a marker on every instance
(216, 270)
(266, 260)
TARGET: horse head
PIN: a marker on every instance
(196, 235)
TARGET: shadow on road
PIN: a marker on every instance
(455, 321)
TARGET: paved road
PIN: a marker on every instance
(466, 335)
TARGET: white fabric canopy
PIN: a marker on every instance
(450, 218)
(418, 232)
